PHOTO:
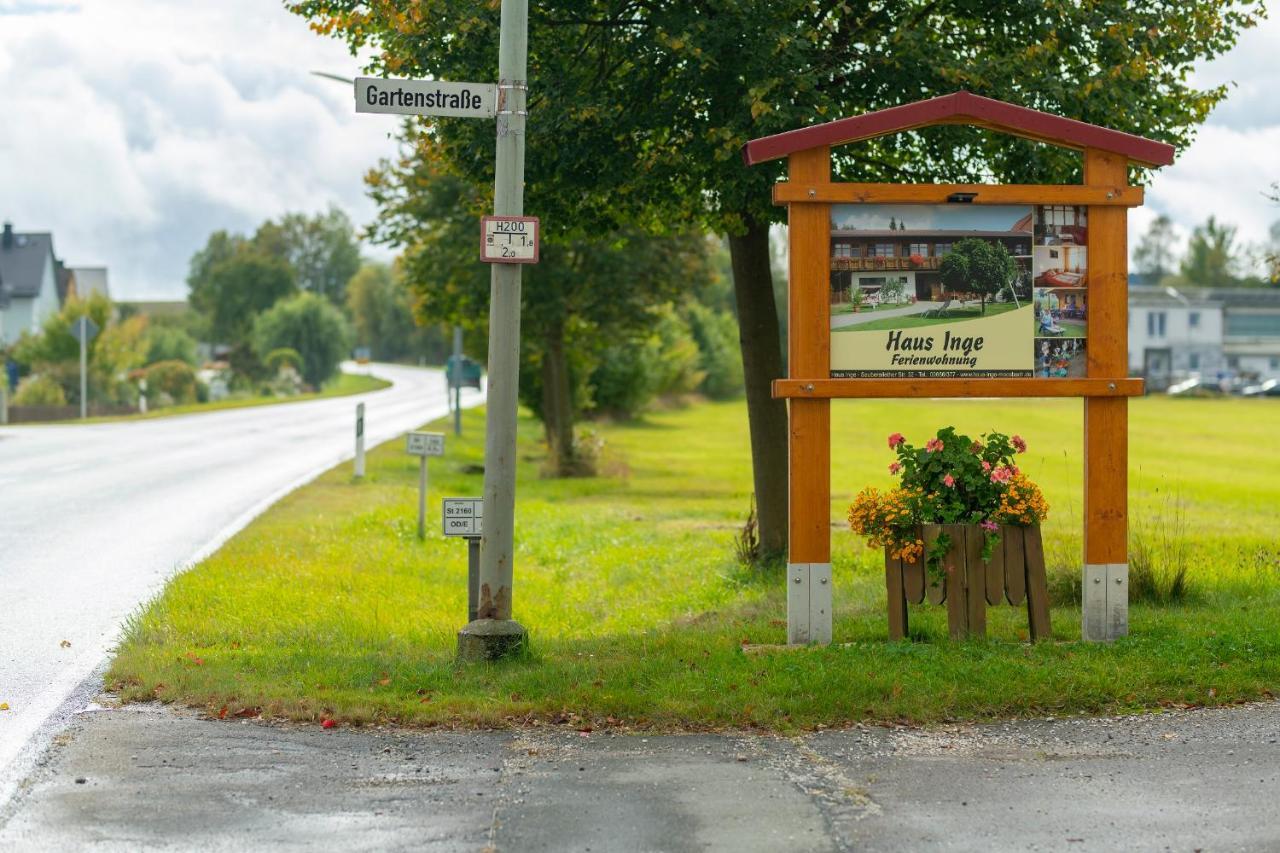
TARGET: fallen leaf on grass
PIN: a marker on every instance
(4, 706)
(327, 723)
(66, 644)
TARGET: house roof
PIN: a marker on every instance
(961, 108)
(916, 233)
(22, 264)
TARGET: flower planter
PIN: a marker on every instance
(1015, 573)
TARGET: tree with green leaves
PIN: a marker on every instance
(973, 265)
(310, 325)
(231, 282)
(321, 250)
(1153, 256)
(639, 108)
(380, 305)
(1212, 258)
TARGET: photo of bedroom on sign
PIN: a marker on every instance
(1060, 275)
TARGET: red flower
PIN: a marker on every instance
(933, 445)
(895, 467)
(895, 440)
(1018, 444)
(949, 481)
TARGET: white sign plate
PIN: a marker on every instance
(426, 97)
(463, 516)
(509, 239)
(425, 444)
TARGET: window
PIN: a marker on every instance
(842, 250)
(1193, 361)
(1155, 324)
(1193, 319)
(1059, 215)
(884, 250)
(1253, 325)
(941, 249)
(1275, 363)
(921, 249)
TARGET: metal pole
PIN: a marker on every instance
(359, 439)
(473, 577)
(422, 497)
(84, 360)
(457, 382)
(493, 634)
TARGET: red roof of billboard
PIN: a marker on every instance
(961, 108)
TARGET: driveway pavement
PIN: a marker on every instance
(147, 777)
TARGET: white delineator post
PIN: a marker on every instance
(359, 465)
(493, 634)
(84, 367)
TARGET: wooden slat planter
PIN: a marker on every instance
(1015, 573)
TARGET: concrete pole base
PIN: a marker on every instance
(491, 639)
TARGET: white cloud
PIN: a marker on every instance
(134, 128)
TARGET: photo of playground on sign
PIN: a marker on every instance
(936, 291)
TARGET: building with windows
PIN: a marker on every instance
(29, 282)
(1228, 335)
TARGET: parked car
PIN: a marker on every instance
(1195, 387)
(1270, 388)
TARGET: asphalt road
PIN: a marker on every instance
(151, 778)
(94, 518)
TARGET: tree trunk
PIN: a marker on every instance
(761, 364)
(557, 402)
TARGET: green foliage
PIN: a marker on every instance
(39, 390)
(169, 343)
(381, 309)
(719, 356)
(232, 281)
(1153, 256)
(1212, 258)
(283, 357)
(630, 374)
(973, 265)
(310, 325)
(171, 383)
(320, 249)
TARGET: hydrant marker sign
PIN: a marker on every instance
(940, 291)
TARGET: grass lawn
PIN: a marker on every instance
(329, 607)
(342, 385)
(971, 311)
(847, 308)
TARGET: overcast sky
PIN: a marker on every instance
(132, 129)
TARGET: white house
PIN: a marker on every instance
(28, 282)
(1218, 334)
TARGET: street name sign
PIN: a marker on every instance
(425, 444)
(84, 329)
(509, 239)
(463, 516)
(426, 97)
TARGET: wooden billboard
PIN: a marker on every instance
(1099, 376)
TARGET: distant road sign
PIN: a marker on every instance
(84, 329)
(426, 97)
(425, 444)
(463, 516)
(509, 239)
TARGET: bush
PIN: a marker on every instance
(283, 357)
(171, 383)
(719, 354)
(166, 343)
(311, 326)
(630, 374)
(39, 391)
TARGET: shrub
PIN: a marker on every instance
(39, 391)
(171, 383)
(166, 343)
(283, 357)
(719, 354)
(311, 326)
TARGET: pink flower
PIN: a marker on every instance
(1001, 475)
(986, 466)
(933, 445)
(1018, 444)
(989, 526)
(949, 481)
(895, 440)
(1013, 470)
(895, 467)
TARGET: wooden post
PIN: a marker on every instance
(809, 357)
(1105, 602)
